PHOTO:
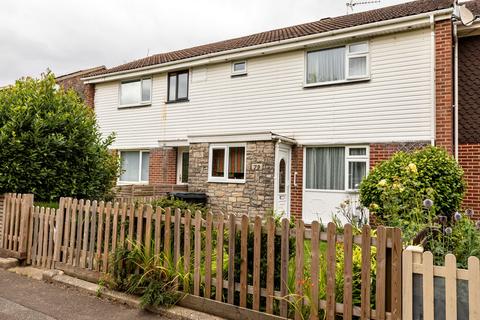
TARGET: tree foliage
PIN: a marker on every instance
(50, 143)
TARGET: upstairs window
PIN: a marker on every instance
(239, 68)
(136, 92)
(178, 86)
(227, 163)
(340, 64)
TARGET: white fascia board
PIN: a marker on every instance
(173, 143)
(362, 31)
(224, 138)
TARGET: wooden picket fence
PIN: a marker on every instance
(16, 212)
(86, 233)
(438, 295)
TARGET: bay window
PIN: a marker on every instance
(227, 163)
(134, 166)
(341, 64)
(135, 92)
(335, 168)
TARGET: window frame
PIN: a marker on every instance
(239, 73)
(348, 56)
(140, 161)
(226, 147)
(365, 158)
(359, 158)
(176, 73)
(141, 103)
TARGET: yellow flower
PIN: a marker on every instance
(412, 167)
(382, 183)
(374, 207)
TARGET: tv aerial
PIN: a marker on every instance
(351, 4)
(464, 15)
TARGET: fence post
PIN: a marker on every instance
(27, 203)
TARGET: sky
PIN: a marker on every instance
(70, 35)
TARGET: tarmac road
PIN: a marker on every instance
(22, 298)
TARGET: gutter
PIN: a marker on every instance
(273, 47)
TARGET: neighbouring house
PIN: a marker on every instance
(292, 119)
(74, 81)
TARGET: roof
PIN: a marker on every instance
(84, 73)
(316, 27)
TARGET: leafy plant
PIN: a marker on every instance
(459, 235)
(399, 185)
(50, 143)
(153, 277)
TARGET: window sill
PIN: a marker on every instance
(227, 181)
(135, 105)
(177, 101)
(332, 83)
(238, 75)
(126, 183)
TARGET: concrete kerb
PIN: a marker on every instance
(56, 276)
(8, 263)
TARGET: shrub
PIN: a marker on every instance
(50, 144)
(399, 185)
(171, 202)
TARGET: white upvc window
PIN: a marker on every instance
(239, 68)
(338, 65)
(356, 166)
(134, 93)
(335, 168)
(226, 163)
(135, 166)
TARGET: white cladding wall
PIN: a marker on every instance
(395, 105)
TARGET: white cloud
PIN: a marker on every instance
(66, 36)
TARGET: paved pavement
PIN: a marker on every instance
(22, 298)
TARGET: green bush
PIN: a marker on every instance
(50, 144)
(399, 185)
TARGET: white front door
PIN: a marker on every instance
(282, 179)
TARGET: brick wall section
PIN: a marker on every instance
(469, 159)
(296, 194)
(384, 151)
(89, 95)
(254, 197)
(163, 166)
(443, 86)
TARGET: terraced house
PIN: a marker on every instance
(292, 119)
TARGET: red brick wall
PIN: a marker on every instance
(469, 159)
(296, 195)
(89, 94)
(163, 166)
(444, 89)
(384, 151)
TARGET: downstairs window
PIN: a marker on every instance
(134, 166)
(335, 168)
(227, 163)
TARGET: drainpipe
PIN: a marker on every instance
(433, 78)
(455, 88)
